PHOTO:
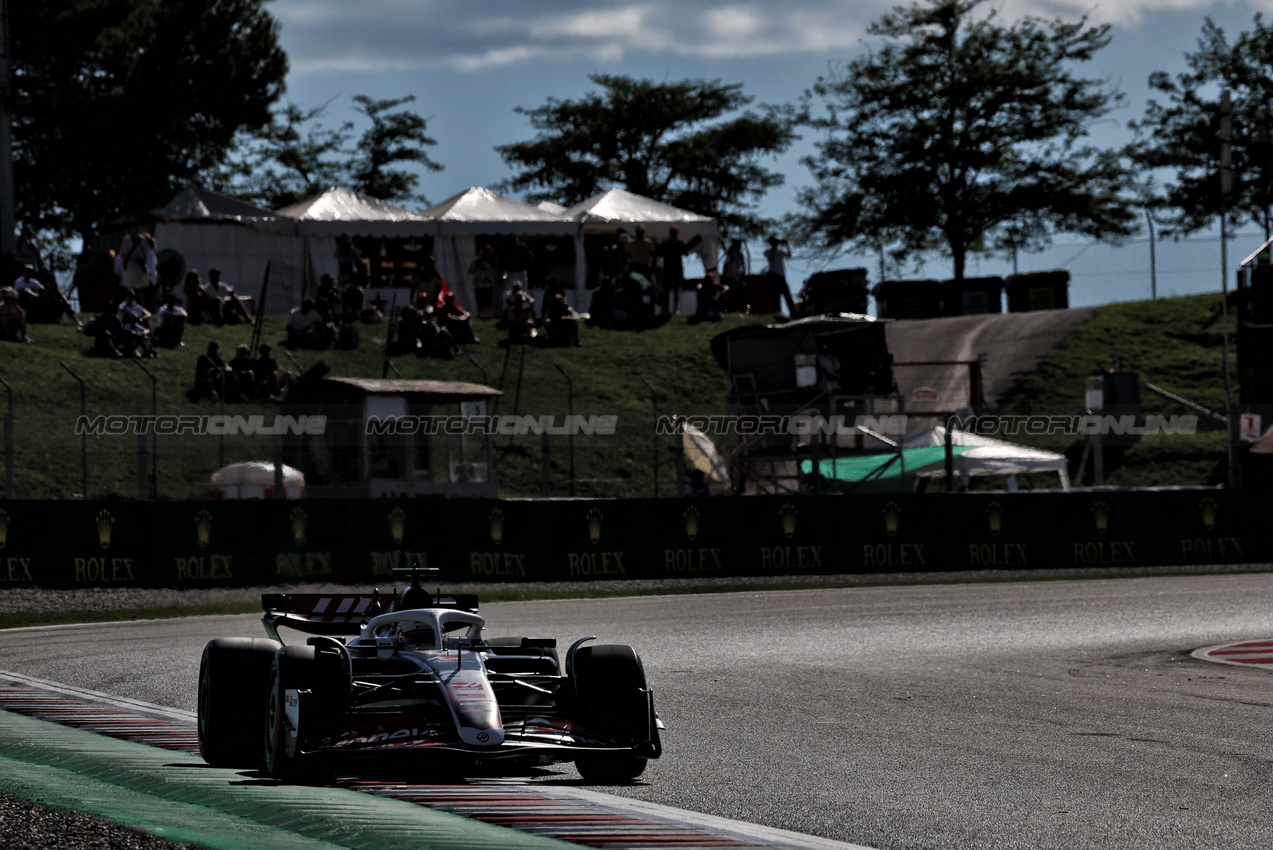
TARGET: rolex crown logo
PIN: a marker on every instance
(994, 515)
(203, 529)
(594, 524)
(1208, 506)
(1100, 513)
(298, 526)
(497, 527)
(105, 524)
(4, 528)
(397, 524)
(691, 522)
(892, 517)
(787, 515)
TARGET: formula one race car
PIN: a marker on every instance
(418, 678)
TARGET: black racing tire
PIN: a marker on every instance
(233, 676)
(323, 677)
(613, 701)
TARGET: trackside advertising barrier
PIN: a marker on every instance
(250, 542)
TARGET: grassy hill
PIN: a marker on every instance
(1173, 343)
(607, 371)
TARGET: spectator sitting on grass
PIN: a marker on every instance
(306, 328)
(270, 381)
(456, 320)
(171, 325)
(212, 377)
(107, 334)
(561, 322)
(13, 319)
(241, 366)
(134, 319)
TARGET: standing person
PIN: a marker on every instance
(484, 272)
(640, 251)
(517, 262)
(777, 255)
(672, 251)
(135, 260)
(348, 257)
(28, 251)
(733, 275)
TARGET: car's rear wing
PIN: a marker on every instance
(338, 613)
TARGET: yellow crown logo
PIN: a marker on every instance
(298, 526)
(994, 515)
(203, 529)
(4, 528)
(691, 522)
(497, 527)
(105, 523)
(594, 524)
(787, 515)
(1208, 506)
(397, 524)
(892, 517)
(1100, 513)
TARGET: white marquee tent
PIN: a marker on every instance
(617, 209)
(477, 212)
(988, 456)
(209, 230)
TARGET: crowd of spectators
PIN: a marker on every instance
(137, 311)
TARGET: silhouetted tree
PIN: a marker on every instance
(673, 142)
(126, 100)
(957, 130)
(1180, 134)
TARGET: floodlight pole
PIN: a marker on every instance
(1226, 187)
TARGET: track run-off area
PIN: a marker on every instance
(1031, 714)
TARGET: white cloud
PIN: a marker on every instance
(478, 35)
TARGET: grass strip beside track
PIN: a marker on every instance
(179, 798)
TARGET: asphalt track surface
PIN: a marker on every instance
(1034, 715)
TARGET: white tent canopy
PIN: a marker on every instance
(617, 209)
(477, 211)
(339, 210)
(318, 221)
(988, 456)
(208, 230)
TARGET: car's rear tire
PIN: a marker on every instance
(613, 701)
(233, 676)
(323, 678)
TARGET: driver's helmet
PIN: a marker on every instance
(414, 634)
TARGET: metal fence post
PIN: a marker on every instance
(570, 424)
(150, 487)
(83, 431)
(654, 433)
(9, 469)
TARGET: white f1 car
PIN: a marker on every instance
(418, 678)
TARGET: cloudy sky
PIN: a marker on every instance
(470, 63)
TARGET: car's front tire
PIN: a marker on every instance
(612, 700)
(321, 677)
(233, 676)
